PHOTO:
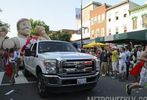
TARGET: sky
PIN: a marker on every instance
(58, 14)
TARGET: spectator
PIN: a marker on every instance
(128, 55)
(103, 59)
(122, 64)
(114, 59)
(143, 75)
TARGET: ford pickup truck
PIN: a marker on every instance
(58, 65)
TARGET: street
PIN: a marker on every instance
(25, 89)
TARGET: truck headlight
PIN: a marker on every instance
(50, 66)
(97, 61)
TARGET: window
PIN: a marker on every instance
(55, 47)
(97, 32)
(102, 32)
(109, 31)
(109, 19)
(116, 14)
(116, 30)
(125, 28)
(134, 19)
(116, 17)
(103, 17)
(99, 19)
(144, 21)
(125, 15)
(95, 20)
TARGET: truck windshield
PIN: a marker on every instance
(55, 47)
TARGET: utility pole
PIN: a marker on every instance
(81, 26)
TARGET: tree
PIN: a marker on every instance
(35, 23)
(60, 36)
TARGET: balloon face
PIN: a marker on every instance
(3, 33)
(41, 31)
(25, 27)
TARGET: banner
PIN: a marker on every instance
(78, 13)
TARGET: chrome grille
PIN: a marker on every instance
(72, 67)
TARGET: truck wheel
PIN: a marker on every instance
(41, 86)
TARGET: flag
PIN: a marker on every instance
(78, 13)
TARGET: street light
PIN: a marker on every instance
(81, 26)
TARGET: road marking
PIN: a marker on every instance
(21, 79)
(1, 77)
(9, 92)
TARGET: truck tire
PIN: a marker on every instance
(42, 89)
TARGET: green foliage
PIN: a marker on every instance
(60, 36)
(35, 23)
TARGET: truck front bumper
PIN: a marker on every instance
(57, 81)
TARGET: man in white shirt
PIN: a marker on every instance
(122, 63)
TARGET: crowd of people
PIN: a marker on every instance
(118, 62)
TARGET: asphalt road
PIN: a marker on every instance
(106, 87)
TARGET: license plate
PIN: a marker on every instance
(81, 81)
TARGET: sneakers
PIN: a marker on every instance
(128, 90)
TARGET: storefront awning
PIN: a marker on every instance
(138, 37)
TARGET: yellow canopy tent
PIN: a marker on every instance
(94, 44)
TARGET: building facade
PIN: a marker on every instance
(86, 20)
(98, 21)
(138, 18)
(117, 17)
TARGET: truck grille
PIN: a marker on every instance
(77, 67)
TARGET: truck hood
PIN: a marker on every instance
(66, 55)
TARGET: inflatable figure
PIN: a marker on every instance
(24, 31)
(41, 33)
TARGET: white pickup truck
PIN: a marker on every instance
(58, 66)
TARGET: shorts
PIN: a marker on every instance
(143, 77)
(114, 66)
(122, 68)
